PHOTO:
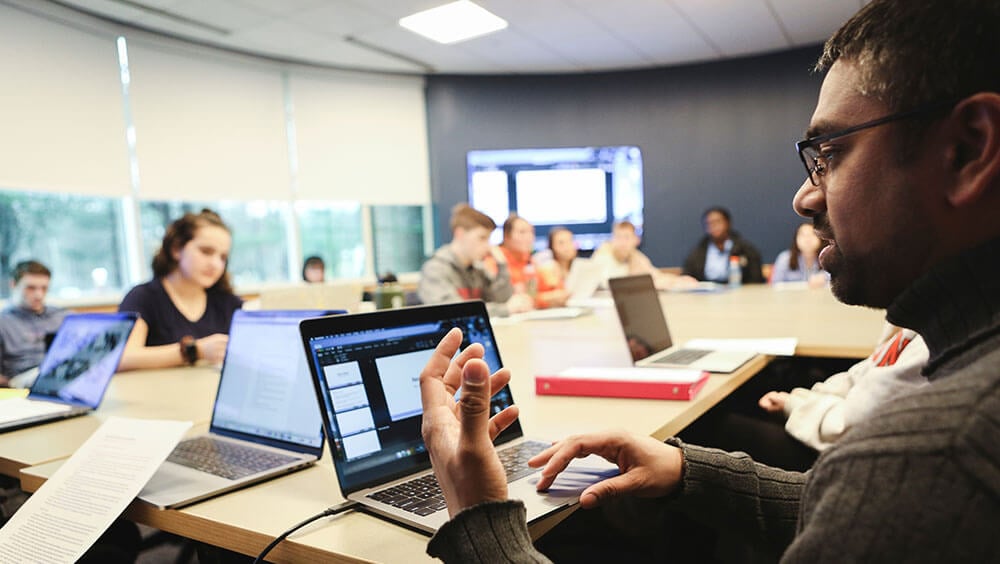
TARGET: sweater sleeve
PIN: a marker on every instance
(495, 531)
(734, 493)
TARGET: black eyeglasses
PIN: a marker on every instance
(817, 163)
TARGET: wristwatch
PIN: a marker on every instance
(189, 349)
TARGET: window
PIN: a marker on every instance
(260, 236)
(333, 232)
(399, 238)
(80, 238)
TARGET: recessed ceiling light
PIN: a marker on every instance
(453, 22)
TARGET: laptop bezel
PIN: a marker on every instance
(325, 327)
(254, 438)
(36, 395)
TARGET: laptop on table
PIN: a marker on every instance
(75, 371)
(264, 423)
(366, 370)
(645, 326)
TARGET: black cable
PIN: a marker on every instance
(326, 513)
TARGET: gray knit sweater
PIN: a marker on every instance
(917, 482)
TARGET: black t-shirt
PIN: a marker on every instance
(167, 325)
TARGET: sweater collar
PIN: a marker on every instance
(954, 305)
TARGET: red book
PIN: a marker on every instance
(649, 383)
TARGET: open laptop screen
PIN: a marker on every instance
(265, 389)
(83, 357)
(367, 371)
(641, 316)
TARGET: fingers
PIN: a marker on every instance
(474, 405)
(436, 367)
(502, 420)
(598, 493)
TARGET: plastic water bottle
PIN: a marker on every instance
(735, 272)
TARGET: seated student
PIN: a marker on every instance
(709, 259)
(26, 320)
(794, 427)
(186, 309)
(553, 268)
(800, 262)
(621, 257)
(456, 272)
(525, 276)
(819, 416)
(314, 270)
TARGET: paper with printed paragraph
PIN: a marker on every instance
(67, 515)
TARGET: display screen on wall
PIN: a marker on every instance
(586, 189)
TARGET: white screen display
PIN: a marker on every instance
(562, 196)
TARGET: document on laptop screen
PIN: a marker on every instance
(79, 502)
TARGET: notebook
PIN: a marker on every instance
(366, 370)
(340, 294)
(264, 423)
(75, 371)
(648, 338)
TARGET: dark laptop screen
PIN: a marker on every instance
(367, 369)
(641, 316)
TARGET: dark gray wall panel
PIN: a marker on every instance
(719, 133)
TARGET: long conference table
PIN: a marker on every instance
(246, 520)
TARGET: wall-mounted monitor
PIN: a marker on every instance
(586, 189)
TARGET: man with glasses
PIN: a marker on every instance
(903, 163)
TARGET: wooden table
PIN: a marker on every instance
(247, 520)
(179, 393)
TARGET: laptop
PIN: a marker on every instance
(75, 371)
(584, 278)
(366, 371)
(645, 326)
(340, 294)
(264, 423)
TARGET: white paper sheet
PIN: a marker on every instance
(783, 346)
(80, 501)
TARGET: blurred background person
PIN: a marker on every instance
(186, 309)
(314, 270)
(457, 272)
(709, 259)
(525, 273)
(800, 262)
(553, 268)
(621, 257)
(26, 321)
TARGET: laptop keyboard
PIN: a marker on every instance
(682, 356)
(224, 458)
(423, 496)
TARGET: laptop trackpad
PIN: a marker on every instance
(568, 486)
(173, 483)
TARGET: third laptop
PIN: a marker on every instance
(638, 304)
(366, 370)
(265, 421)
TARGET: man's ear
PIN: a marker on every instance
(975, 159)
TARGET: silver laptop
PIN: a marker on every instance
(366, 371)
(339, 294)
(645, 326)
(75, 371)
(265, 421)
